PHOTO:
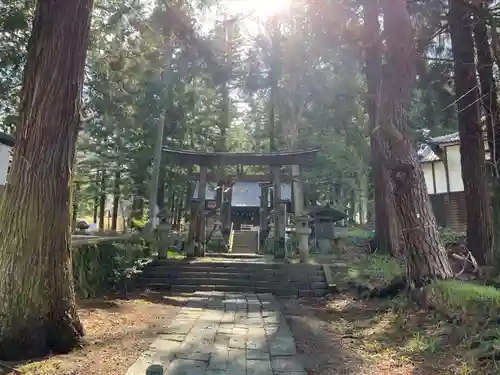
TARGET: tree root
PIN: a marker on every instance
(10, 370)
(390, 291)
(40, 338)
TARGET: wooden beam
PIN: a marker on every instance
(212, 177)
(187, 158)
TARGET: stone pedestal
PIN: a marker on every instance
(217, 239)
(280, 229)
(303, 231)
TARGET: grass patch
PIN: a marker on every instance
(465, 298)
(356, 232)
(422, 343)
(374, 270)
(175, 255)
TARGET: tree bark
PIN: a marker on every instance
(489, 100)
(472, 154)
(387, 230)
(116, 201)
(102, 201)
(75, 198)
(426, 258)
(37, 298)
(96, 201)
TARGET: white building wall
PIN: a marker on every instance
(427, 167)
(454, 168)
(4, 163)
(440, 173)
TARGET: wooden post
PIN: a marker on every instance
(279, 235)
(226, 213)
(263, 214)
(193, 225)
(200, 233)
(302, 230)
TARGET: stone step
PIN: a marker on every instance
(234, 256)
(233, 282)
(233, 288)
(278, 291)
(267, 277)
(231, 265)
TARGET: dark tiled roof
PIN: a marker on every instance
(427, 155)
(327, 211)
(7, 139)
(447, 138)
(245, 194)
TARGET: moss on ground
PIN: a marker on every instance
(456, 334)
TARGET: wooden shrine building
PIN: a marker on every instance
(245, 198)
(223, 195)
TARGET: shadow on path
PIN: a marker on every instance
(321, 349)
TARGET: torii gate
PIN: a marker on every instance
(275, 160)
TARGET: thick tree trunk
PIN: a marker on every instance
(479, 229)
(102, 201)
(387, 230)
(426, 258)
(173, 200)
(96, 201)
(489, 100)
(178, 210)
(74, 217)
(160, 193)
(363, 199)
(116, 201)
(37, 299)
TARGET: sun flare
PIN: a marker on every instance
(260, 8)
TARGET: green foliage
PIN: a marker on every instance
(422, 343)
(383, 266)
(475, 307)
(138, 223)
(467, 298)
(350, 265)
(450, 237)
(101, 268)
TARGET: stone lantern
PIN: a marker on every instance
(303, 232)
(164, 231)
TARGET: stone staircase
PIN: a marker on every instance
(244, 242)
(236, 275)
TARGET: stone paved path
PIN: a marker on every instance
(218, 334)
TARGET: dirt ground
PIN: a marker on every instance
(117, 331)
(344, 336)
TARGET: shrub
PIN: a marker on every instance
(101, 268)
(450, 237)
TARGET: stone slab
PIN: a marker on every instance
(257, 355)
(286, 365)
(257, 367)
(225, 334)
(186, 367)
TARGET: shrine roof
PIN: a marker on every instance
(186, 157)
(245, 194)
(327, 212)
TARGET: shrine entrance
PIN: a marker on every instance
(271, 224)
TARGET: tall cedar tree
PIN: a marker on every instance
(37, 299)
(426, 258)
(479, 229)
(489, 100)
(387, 231)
